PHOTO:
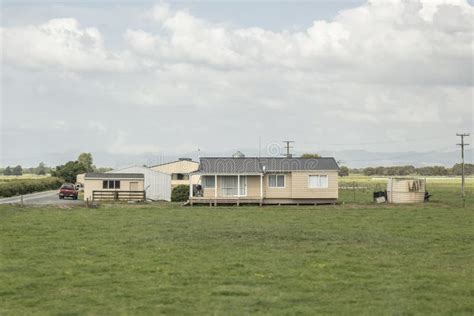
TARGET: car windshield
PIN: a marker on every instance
(67, 186)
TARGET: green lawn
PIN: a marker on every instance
(163, 258)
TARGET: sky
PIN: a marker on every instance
(139, 81)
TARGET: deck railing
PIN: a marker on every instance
(102, 195)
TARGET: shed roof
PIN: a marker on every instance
(213, 165)
(97, 175)
(176, 161)
(141, 168)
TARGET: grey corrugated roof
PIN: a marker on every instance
(96, 175)
(272, 164)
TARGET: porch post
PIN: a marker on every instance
(190, 188)
(190, 191)
(238, 185)
(215, 190)
(238, 189)
(261, 189)
(215, 186)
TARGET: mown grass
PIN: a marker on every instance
(167, 259)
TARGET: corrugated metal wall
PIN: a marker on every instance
(157, 184)
(406, 190)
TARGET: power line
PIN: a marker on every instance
(400, 156)
(381, 142)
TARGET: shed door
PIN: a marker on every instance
(133, 186)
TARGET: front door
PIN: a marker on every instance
(133, 186)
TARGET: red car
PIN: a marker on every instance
(68, 190)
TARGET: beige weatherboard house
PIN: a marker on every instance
(180, 171)
(265, 181)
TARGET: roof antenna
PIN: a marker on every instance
(288, 147)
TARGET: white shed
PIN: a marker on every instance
(157, 184)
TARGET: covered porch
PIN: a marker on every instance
(237, 189)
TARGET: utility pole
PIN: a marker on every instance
(462, 144)
(288, 147)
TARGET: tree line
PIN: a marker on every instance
(84, 163)
(68, 171)
(455, 170)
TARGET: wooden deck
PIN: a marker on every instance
(258, 201)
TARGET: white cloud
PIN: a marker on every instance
(60, 43)
(375, 71)
(377, 42)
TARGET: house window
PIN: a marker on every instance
(276, 181)
(318, 181)
(209, 182)
(230, 186)
(179, 176)
(111, 184)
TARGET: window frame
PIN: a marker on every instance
(178, 176)
(319, 176)
(106, 184)
(276, 175)
(204, 182)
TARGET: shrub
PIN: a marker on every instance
(344, 171)
(19, 187)
(180, 193)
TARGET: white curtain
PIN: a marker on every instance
(230, 183)
(318, 181)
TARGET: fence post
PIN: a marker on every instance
(21, 200)
(354, 190)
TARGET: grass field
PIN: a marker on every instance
(25, 176)
(355, 258)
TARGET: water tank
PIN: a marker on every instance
(238, 154)
(406, 190)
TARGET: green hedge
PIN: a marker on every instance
(18, 187)
(180, 193)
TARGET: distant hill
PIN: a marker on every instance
(350, 158)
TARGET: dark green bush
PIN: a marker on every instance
(180, 193)
(19, 187)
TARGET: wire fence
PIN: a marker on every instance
(443, 190)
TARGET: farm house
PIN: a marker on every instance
(271, 180)
(180, 171)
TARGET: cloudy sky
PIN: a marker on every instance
(142, 78)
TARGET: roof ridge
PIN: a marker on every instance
(226, 157)
(167, 163)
